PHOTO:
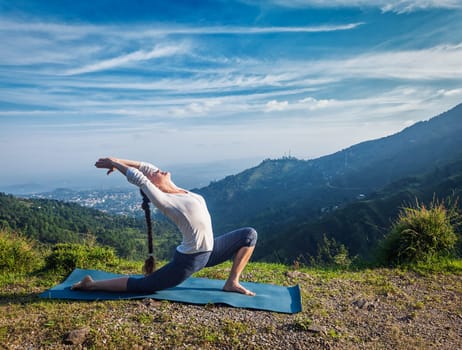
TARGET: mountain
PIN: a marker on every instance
(279, 194)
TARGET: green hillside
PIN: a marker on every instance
(52, 221)
(360, 225)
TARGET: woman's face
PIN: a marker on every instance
(160, 178)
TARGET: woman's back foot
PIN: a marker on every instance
(85, 284)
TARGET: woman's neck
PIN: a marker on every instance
(172, 189)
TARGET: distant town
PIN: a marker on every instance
(113, 201)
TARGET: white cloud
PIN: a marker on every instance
(439, 62)
(226, 89)
(56, 30)
(140, 55)
(254, 87)
(63, 32)
(398, 6)
(407, 6)
(59, 45)
(313, 104)
(198, 108)
(274, 105)
(265, 30)
(450, 93)
(146, 32)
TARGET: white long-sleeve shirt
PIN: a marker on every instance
(187, 210)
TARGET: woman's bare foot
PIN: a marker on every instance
(85, 284)
(237, 288)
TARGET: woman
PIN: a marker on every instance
(198, 249)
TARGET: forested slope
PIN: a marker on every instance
(52, 221)
(360, 225)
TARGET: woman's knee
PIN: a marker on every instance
(251, 237)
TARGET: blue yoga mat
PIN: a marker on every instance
(193, 291)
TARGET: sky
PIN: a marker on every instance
(185, 83)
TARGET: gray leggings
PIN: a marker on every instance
(184, 265)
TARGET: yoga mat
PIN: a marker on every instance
(193, 291)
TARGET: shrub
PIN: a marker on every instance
(65, 257)
(18, 254)
(421, 234)
(330, 253)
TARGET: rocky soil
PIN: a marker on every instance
(370, 309)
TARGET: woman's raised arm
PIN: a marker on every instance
(112, 164)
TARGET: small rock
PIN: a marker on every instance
(364, 304)
(359, 303)
(77, 336)
(406, 318)
(313, 328)
(299, 274)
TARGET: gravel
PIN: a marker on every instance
(371, 309)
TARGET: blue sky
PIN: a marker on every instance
(190, 82)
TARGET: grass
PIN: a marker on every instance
(422, 233)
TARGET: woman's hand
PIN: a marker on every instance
(112, 164)
(106, 163)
